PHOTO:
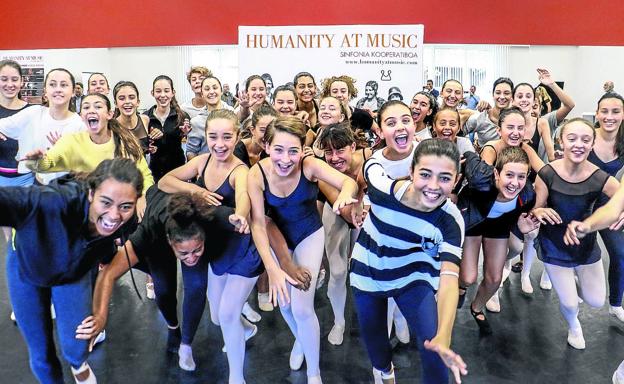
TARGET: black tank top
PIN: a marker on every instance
(140, 133)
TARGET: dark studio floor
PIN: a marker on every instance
(528, 345)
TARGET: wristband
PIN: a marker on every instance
(449, 273)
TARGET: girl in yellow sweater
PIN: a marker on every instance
(83, 151)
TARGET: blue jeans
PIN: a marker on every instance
(31, 305)
(163, 269)
(419, 307)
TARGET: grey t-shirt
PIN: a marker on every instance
(484, 128)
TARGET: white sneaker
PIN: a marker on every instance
(617, 379)
(617, 312)
(545, 283)
(401, 330)
(321, 279)
(185, 359)
(296, 357)
(100, 338)
(263, 302)
(493, 305)
(249, 333)
(526, 285)
(336, 335)
(383, 378)
(576, 339)
(85, 373)
(250, 314)
(149, 291)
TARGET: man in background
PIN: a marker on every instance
(472, 100)
(227, 96)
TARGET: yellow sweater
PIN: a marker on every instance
(76, 152)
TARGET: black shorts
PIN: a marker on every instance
(497, 228)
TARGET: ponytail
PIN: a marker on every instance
(126, 145)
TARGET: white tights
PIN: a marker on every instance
(227, 314)
(299, 313)
(339, 239)
(591, 285)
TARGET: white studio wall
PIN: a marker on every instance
(584, 69)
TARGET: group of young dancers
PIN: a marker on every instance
(401, 200)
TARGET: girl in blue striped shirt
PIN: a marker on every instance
(409, 249)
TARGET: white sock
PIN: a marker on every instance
(185, 360)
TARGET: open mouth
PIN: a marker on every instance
(415, 114)
(401, 140)
(219, 152)
(446, 134)
(108, 226)
(432, 196)
(93, 122)
(284, 168)
(338, 164)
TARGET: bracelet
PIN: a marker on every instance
(449, 273)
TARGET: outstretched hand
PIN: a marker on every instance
(239, 222)
(545, 77)
(452, 360)
(90, 328)
(278, 290)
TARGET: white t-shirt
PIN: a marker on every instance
(192, 110)
(31, 126)
(396, 169)
(423, 134)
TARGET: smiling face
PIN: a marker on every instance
(257, 90)
(10, 82)
(188, 251)
(285, 103)
(257, 132)
(195, 82)
(98, 84)
(433, 178)
(446, 125)
(369, 92)
(421, 108)
(452, 94)
(340, 90)
(397, 128)
(330, 112)
(163, 93)
(577, 140)
(211, 91)
(512, 129)
(285, 152)
(58, 88)
(111, 205)
(221, 138)
(610, 114)
(305, 88)
(510, 180)
(502, 95)
(127, 101)
(95, 114)
(340, 159)
(524, 98)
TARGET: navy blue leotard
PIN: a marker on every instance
(296, 214)
(572, 201)
(240, 256)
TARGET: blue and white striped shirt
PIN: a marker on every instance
(398, 245)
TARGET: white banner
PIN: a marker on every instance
(387, 57)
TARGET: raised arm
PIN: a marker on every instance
(567, 104)
(176, 180)
(316, 169)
